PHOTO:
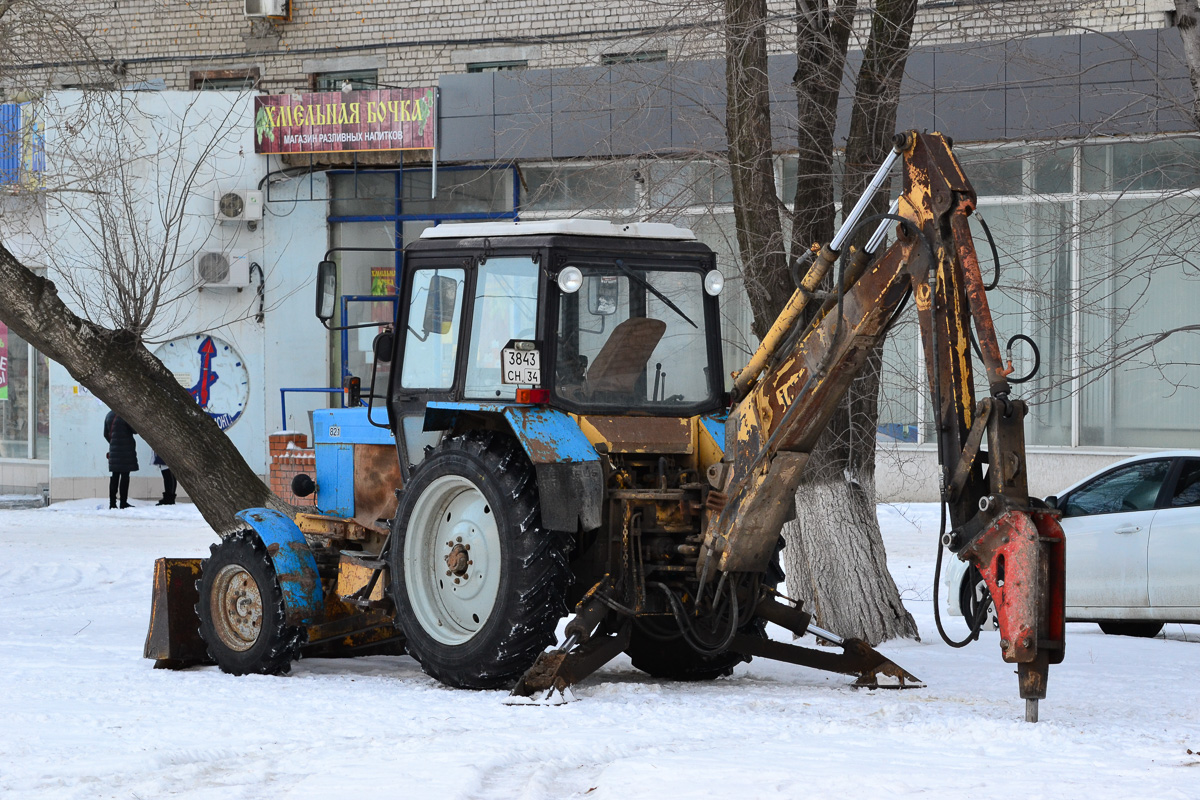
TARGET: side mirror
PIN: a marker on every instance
(326, 290)
(382, 346)
(439, 305)
(1052, 501)
(603, 291)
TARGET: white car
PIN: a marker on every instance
(1133, 547)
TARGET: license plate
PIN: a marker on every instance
(523, 367)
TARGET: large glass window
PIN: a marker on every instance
(24, 396)
(1096, 245)
(634, 338)
(373, 215)
(505, 308)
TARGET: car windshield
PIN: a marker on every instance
(634, 337)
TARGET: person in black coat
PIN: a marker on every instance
(122, 458)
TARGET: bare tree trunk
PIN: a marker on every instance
(1187, 20)
(748, 129)
(116, 367)
(834, 557)
(822, 36)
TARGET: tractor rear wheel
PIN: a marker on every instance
(659, 650)
(1142, 630)
(478, 583)
(653, 651)
(242, 619)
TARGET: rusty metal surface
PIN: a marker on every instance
(173, 639)
(334, 527)
(354, 573)
(657, 435)
(376, 479)
(1010, 556)
(558, 670)
(857, 658)
(985, 329)
(763, 506)
(790, 406)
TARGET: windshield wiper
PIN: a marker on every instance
(621, 265)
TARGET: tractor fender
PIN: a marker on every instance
(569, 475)
(295, 566)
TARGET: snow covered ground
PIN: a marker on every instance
(82, 715)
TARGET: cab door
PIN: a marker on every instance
(431, 329)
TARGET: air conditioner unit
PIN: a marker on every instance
(222, 269)
(266, 8)
(238, 205)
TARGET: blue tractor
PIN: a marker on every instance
(556, 433)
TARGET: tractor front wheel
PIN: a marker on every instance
(242, 619)
(478, 583)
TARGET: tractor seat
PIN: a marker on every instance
(624, 356)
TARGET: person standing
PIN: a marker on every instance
(169, 482)
(122, 458)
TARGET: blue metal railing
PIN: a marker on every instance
(283, 397)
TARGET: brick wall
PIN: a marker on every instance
(291, 455)
(412, 45)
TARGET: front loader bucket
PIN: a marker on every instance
(173, 640)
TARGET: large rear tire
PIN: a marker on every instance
(242, 618)
(653, 651)
(658, 652)
(478, 583)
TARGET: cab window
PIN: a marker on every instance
(505, 308)
(434, 324)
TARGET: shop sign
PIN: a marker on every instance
(3, 361)
(344, 122)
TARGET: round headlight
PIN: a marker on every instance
(714, 282)
(570, 279)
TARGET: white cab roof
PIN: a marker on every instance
(545, 227)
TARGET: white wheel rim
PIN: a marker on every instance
(237, 608)
(452, 560)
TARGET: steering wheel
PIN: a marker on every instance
(1126, 505)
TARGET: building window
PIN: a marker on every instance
(635, 57)
(238, 80)
(384, 210)
(24, 399)
(496, 66)
(336, 81)
(22, 147)
(1094, 243)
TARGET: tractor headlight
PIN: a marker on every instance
(570, 279)
(714, 282)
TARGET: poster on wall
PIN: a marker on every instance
(3, 361)
(343, 122)
(212, 372)
(383, 281)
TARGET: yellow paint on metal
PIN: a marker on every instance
(707, 450)
(353, 575)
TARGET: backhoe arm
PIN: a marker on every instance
(793, 385)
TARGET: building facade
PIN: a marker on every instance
(1073, 123)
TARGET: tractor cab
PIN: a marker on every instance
(587, 317)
